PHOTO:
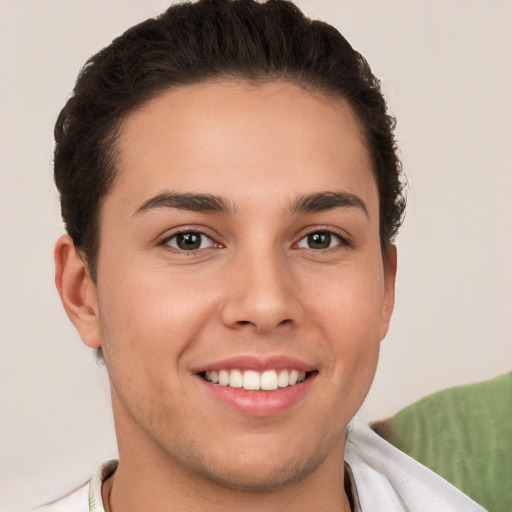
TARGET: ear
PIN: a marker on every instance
(77, 291)
(390, 263)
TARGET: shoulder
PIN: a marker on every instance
(388, 479)
(464, 434)
(76, 501)
(86, 498)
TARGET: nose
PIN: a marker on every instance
(262, 294)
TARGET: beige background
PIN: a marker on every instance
(447, 73)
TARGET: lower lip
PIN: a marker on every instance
(259, 403)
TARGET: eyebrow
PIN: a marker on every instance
(209, 203)
(323, 201)
(206, 203)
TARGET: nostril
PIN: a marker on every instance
(286, 321)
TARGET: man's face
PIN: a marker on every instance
(240, 243)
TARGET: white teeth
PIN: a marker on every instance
(283, 379)
(251, 380)
(269, 380)
(223, 378)
(235, 379)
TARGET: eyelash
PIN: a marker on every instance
(342, 240)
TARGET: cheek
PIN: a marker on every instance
(152, 315)
(351, 304)
(349, 313)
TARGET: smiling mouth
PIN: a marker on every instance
(251, 380)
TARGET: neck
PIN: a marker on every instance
(157, 485)
(119, 494)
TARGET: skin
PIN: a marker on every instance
(256, 286)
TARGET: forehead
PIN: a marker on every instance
(232, 137)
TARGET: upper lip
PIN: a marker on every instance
(256, 363)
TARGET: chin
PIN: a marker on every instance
(264, 465)
(260, 476)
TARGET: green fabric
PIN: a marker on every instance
(465, 435)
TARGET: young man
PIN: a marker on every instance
(231, 191)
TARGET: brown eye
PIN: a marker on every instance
(319, 240)
(189, 241)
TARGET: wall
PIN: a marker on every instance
(446, 69)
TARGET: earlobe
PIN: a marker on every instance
(390, 265)
(77, 291)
